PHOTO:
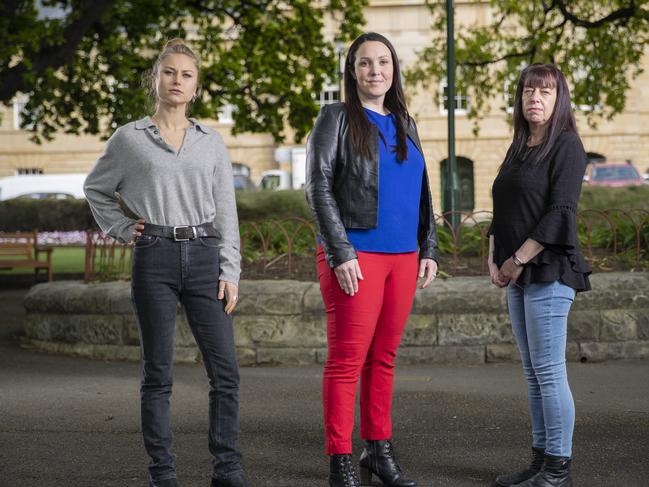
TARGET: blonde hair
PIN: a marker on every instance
(172, 46)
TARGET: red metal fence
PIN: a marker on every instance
(286, 248)
(106, 258)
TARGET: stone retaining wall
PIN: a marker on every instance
(459, 320)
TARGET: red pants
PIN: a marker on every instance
(363, 334)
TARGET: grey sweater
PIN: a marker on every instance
(166, 187)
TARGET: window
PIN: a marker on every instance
(585, 88)
(225, 114)
(510, 86)
(330, 94)
(466, 185)
(461, 101)
(271, 182)
(240, 168)
(24, 171)
(19, 105)
(614, 172)
(594, 157)
(509, 95)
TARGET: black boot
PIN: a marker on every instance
(341, 472)
(555, 473)
(236, 480)
(523, 475)
(378, 459)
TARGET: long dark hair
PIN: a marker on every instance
(562, 119)
(395, 101)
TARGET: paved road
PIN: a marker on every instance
(73, 422)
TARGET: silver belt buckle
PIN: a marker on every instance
(184, 239)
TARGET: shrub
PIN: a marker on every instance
(65, 215)
(276, 205)
(602, 198)
(45, 215)
(270, 239)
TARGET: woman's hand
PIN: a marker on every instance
(427, 269)
(137, 230)
(230, 291)
(509, 271)
(348, 274)
(494, 273)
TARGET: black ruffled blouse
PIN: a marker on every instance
(539, 201)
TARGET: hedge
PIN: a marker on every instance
(604, 198)
(66, 215)
(45, 215)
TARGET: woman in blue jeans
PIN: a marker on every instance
(175, 174)
(533, 250)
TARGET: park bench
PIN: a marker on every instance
(21, 249)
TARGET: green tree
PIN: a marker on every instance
(598, 44)
(81, 62)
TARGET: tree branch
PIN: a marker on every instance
(624, 13)
(12, 81)
(492, 61)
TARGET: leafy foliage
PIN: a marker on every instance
(269, 239)
(598, 44)
(615, 238)
(275, 205)
(67, 215)
(81, 63)
(45, 215)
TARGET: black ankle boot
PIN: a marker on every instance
(555, 473)
(523, 475)
(236, 480)
(378, 459)
(341, 472)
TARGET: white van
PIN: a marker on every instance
(37, 186)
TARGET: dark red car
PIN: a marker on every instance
(613, 174)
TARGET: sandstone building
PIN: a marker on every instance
(407, 24)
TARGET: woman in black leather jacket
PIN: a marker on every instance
(367, 186)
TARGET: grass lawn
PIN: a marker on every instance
(65, 260)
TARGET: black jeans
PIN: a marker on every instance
(164, 273)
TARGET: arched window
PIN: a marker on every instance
(594, 157)
(240, 168)
(465, 180)
(241, 176)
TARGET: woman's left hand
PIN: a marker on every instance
(427, 269)
(137, 230)
(230, 292)
(510, 272)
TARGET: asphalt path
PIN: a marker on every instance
(73, 422)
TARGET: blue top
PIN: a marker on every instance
(399, 195)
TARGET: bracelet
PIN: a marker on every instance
(517, 262)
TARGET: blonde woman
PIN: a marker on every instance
(175, 174)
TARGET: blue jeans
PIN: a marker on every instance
(166, 272)
(539, 315)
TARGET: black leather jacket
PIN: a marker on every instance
(342, 187)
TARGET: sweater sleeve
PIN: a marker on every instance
(226, 221)
(558, 226)
(102, 184)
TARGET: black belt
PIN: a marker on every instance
(180, 233)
